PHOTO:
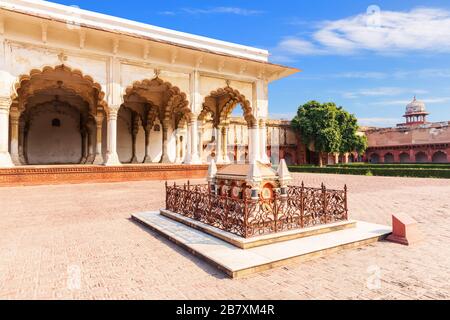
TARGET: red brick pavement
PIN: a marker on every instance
(77, 241)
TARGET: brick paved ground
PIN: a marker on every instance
(50, 232)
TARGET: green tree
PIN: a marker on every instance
(351, 140)
(327, 128)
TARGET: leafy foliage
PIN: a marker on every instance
(328, 128)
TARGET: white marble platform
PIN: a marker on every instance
(238, 262)
(260, 240)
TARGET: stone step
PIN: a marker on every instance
(246, 243)
(236, 262)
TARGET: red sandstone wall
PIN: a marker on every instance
(396, 136)
(91, 174)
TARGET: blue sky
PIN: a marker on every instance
(370, 63)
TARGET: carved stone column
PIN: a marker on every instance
(14, 115)
(263, 141)
(148, 129)
(260, 107)
(98, 149)
(187, 159)
(84, 146)
(22, 141)
(5, 158)
(200, 139)
(165, 142)
(219, 148)
(178, 148)
(134, 132)
(224, 132)
(194, 157)
(253, 143)
(91, 146)
(112, 158)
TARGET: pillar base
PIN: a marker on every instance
(16, 160)
(5, 160)
(22, 159)
(98, 159)
(227, 160)
(134, 160)
(112, 159)
(194, 159)
(90, 159)
(147, 159)
(265, 159)
(165, 159)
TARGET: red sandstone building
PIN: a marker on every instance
(415, 141)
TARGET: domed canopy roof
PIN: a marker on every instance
(415, 106)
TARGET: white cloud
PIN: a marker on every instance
(423, 73)
(167, 13)
(437, 100)
(418, 30)
(434, 100)
(380, 92)
(429, 73)
(223, 10)
(294, 46)
(390, 103)
(361, 75)
(398, 74)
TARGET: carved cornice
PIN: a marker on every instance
(99, 118)
(14, 113)
(262, 123)
(5, 103)
(113, 112)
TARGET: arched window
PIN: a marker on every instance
(421, 157)
(440, 157)
(388, 158)
(404, 157)
(374, 158)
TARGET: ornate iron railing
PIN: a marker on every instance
(301, 207)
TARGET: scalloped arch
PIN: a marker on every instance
(205, 110)
(155, 82)
(235, 98)
(24, 78)
(177, 101)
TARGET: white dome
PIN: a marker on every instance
(415, 107)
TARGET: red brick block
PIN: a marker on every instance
(404, 230)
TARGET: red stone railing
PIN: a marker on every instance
(301, 207)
